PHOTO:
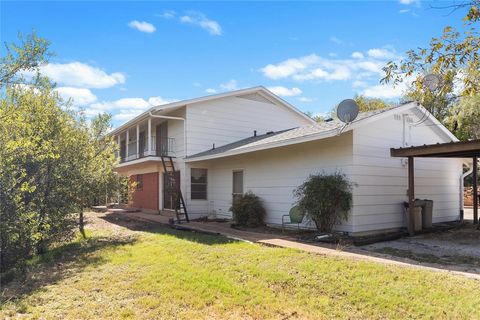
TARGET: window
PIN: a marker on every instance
(139, 181)
(237, 184)
(199, 184)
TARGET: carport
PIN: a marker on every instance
(461, 149)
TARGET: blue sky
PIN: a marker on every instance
(122, 57)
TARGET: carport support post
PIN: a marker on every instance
(475, 190)
(411, 197)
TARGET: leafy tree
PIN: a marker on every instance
(53, 162)
(464, 118)
(24, 57)
(316, 117)
(453, 57)
(326, 198)
(370, 104)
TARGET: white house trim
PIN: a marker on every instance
(174, 105)
(326, 134)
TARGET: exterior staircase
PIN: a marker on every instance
(179, 201)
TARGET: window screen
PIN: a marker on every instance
(198, 184)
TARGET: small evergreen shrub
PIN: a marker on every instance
(326, 198)
(248, 210)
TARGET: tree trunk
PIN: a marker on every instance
(81, 223)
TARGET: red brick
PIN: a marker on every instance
(147, 197)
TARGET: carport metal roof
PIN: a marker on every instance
(458, 149)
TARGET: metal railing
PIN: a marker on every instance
(165, 147)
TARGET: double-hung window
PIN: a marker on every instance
(198, 183)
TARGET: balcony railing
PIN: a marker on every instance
(165, 147)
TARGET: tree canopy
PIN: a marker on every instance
(53, 161)
(453, 58)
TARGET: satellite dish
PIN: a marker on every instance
(347, 110)
(431, 81)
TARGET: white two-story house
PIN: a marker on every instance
(252, 140)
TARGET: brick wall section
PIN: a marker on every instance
(147, 197)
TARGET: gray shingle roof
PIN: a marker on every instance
(270, 138)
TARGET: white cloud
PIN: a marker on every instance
(381, 53)
(357, 55)
(142, 26)
(407, 2)
(336, 40)
(230, 85)
(125, 108)
(403, 11)
(359, 84)
(158, 101)
(167, 14)
(210, 90)
(199, 19)
(285, 92)
(305, 99)
(79, 96)
(383, 91)
(289, 67)
(77, 74)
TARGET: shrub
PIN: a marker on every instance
(326, 198)
(248, 210)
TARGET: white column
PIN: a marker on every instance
(126, 144)
(119, 144)
(138, 140)
(149, 135)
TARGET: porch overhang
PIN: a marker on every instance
(460, 149)
(454, 149)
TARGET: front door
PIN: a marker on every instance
(237, 184)
(161, 139)
(171, 186)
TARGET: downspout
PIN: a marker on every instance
(184, 145)
(462, 181)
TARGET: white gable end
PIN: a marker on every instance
(229, 119)
(382, 180)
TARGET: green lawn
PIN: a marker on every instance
(162, 273)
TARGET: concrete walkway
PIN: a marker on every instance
(224, 229)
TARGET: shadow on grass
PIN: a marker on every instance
(57, 264)
(158, 228)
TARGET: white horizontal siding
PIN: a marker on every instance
(382, 180)
(227, 120)
(274, 174)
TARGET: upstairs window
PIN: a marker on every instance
(198, 182)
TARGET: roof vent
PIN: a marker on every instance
(329, 119)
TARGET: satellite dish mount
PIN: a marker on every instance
(347, 112)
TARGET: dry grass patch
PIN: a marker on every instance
(163, 273)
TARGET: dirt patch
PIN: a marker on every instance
(458, 247)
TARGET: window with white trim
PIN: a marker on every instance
(198, 184)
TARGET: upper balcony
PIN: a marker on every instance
(158, 147)
(148, 139)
